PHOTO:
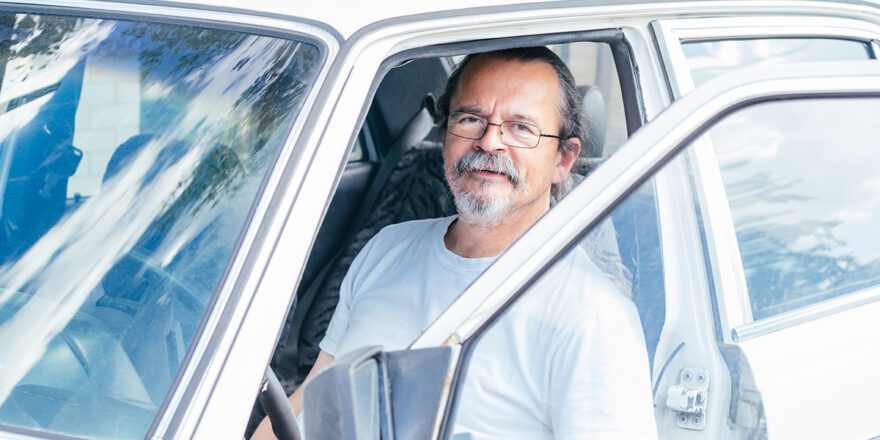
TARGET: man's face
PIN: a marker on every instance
(493, 182)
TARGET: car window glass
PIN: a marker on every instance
(708, 59)
(357, 151)
(130, 155)
(801, 181)
(577, 331)
(592, 65)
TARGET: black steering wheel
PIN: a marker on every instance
(277, 407)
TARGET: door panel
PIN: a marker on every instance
(799, 180)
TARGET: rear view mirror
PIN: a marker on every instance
(371, 394)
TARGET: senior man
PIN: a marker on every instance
(568, 360)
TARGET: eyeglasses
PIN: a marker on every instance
(513, 133)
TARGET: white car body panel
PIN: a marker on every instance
(255, 298)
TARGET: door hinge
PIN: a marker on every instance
(688, 398)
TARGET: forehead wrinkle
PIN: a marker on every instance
(468, 109)
(482, 74)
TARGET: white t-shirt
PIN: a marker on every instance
(566, 361)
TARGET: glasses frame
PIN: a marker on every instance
(500, 130)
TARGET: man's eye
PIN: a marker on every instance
(520, 127)
(468, 120)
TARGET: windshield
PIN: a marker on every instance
(130, 155)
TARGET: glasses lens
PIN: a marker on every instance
(520, 134)
(466, 125)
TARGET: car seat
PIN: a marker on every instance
(41, 158)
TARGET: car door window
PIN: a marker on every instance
(708, 59)
(597, 78)
(697, 50)
(801, 183)
(130, 155)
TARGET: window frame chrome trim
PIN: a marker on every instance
(734, 304)
(803, 314)
(671, 33)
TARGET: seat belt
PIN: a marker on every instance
(413, 132)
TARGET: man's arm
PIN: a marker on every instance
(264, 431)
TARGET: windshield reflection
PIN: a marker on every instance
(125, 186)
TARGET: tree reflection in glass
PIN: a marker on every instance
(130, 155)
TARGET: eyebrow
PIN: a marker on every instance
(467, 109)
(523, 118)
(517, 117)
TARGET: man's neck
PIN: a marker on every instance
(478, 241)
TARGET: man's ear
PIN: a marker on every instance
(565, 158)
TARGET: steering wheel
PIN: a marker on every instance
(136, 260)
(277, 407)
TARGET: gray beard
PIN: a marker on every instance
(474, 207)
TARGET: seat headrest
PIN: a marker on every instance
(594, 112)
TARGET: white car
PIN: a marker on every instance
(182, 186)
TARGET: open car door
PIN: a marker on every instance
(768, 291)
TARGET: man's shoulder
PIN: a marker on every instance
(400, 239)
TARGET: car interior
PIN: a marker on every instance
(395, 174)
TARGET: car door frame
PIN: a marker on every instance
(737, 328)
(648, 150)
(355, 74)
(265, 286)
(336, 126)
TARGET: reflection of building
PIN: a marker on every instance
(108, 114)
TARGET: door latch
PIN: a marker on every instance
(688, 398)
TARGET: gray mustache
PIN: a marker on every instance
(480, 160)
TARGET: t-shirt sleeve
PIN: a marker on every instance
(339, 322)
(600, 385)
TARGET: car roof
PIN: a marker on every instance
(348, 16)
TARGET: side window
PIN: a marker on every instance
(708, 59)
(130, 156)
(801, 182)
(592, 65)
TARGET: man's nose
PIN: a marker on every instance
(491, 140)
